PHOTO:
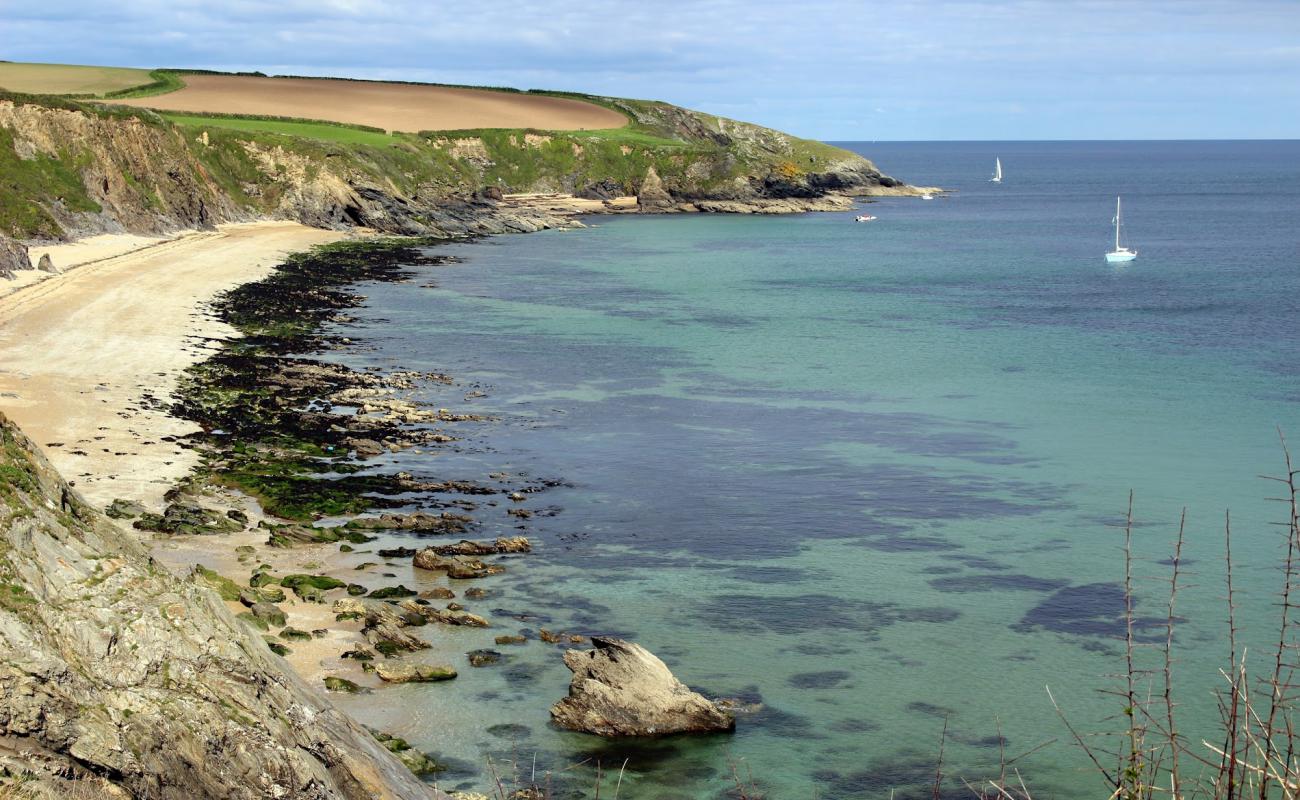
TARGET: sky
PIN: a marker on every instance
(827, 69)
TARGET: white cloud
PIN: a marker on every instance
(1217, 66)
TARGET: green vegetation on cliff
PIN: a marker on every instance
(73, 166)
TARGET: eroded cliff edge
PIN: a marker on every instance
(118, 675)
(72, 168)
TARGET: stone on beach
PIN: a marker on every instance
(414, 673)
(503, 544)
(460, 567)
(621, 689)
(13, 256)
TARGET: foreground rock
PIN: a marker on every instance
(13, 257)
(621, 689)
(414, 673)
(112, 667)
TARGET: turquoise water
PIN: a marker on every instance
(868, 474)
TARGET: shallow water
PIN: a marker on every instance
(868, 473)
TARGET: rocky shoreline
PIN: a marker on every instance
(284, 516)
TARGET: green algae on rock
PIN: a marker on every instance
(191, 678)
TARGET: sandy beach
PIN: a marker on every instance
(89, 358)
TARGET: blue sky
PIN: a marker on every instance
(906, 69)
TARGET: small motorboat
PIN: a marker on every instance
(927, 196)
(863, 218)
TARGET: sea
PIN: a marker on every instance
(869, 479)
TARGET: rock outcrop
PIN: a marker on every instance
(116, 672)
(46, 264)
(621, 689)
(652, 196)
(130, 169)
(13, 257)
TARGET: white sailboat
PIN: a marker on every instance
(1120, 253)
(997, 171)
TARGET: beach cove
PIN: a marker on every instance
(688, 406)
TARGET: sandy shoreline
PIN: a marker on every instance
(89, 358)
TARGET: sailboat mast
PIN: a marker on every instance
(1117, 223)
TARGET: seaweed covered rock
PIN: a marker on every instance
(621, 689)
(113, 667)
(408, 672)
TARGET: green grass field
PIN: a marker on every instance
(69, 78)
(323, 131)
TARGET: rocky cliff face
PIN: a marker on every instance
(116, 675)
(74, 169)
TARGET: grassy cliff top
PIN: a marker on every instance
(110, 165)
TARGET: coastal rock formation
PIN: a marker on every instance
(652, 195)
(13, 257)
(414, 673)
(114, 671)
(132, 170)
(622, 689)
(456, 566)
(46, 264)
(503, 544)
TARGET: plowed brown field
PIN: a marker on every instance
(392, 106)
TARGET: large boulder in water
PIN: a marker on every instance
(622, 689)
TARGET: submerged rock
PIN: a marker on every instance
(483, 658)
(621, 689)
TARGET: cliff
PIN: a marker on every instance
(71, 168)
(119, 678)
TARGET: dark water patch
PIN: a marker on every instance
(977, 562)
(1093, 609)
(658, 757)
(995, 582)
(767, 573)
(908, 544)
(902, 661)
(798, 614)
(827, 679)
(724, 321)
(854, 726)
(901, 775)
(510, 730)
(993, 742)
(811, 649)
(521, 674)
(914, 493)
(784, 724)
(930, 709)
(530, 617)
(940, 569)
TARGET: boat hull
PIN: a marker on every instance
(1121, 256)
